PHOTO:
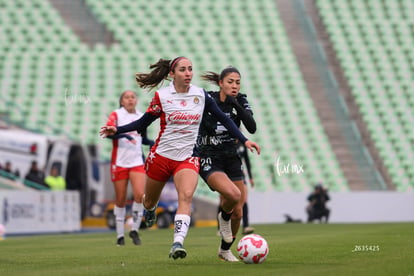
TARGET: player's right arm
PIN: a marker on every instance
(153, 112)
(138, 125)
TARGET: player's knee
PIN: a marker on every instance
(186, 195)
(138, 198)
(120, 203)
(235, 196)
(149, 203)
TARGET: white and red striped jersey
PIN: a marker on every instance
(125, 153)
(180, 117)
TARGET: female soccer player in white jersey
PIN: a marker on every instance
(180, 107)
(127, 164)
(220, 163)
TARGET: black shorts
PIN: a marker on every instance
(232, 166)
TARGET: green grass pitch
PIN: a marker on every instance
(295, 249)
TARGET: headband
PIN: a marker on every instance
(174, 62)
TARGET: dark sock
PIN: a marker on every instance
(245, 215)
(226, 216)
(226, 246)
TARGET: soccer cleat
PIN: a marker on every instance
(225, 229)
(120, 241)
(247, 230)
(150, 217)
(135, 237)
(177, 251)
(227, 256)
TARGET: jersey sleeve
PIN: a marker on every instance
(146, 140)
(242, 100)
(155, 107)
(153, 112)
(245, 113)
(212, 107)
(139, 125)
(112, 119)
(119, 136)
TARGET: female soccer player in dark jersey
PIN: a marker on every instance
(180, 107)
(220, 163)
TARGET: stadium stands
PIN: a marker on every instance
(63, 85)
(268, 54)
(373, 41)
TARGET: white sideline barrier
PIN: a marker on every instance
(24, 212)
(346, 207)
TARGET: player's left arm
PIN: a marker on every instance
(119, 136)
(146, 140)
(212, 107)
(244, 112)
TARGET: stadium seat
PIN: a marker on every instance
(378, 71)
(67, 71)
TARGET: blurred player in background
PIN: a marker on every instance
(221, 166)
(180, 107)
(127, 164)
(248, 179)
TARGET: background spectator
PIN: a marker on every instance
(36, 175)
(9, 172)
(317, 204)
(54, 180)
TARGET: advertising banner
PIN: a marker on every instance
(40, 211)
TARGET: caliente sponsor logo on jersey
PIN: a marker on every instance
(183, 118)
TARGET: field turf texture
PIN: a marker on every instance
(295, 249)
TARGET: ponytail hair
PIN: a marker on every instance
(211, 77)
(160, 72)
(215, 78)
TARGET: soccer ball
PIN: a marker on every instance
(252, 249)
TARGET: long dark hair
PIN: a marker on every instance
(160, 72)
(215, 78)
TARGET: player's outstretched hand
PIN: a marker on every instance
(252, 145)
(107, 130)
